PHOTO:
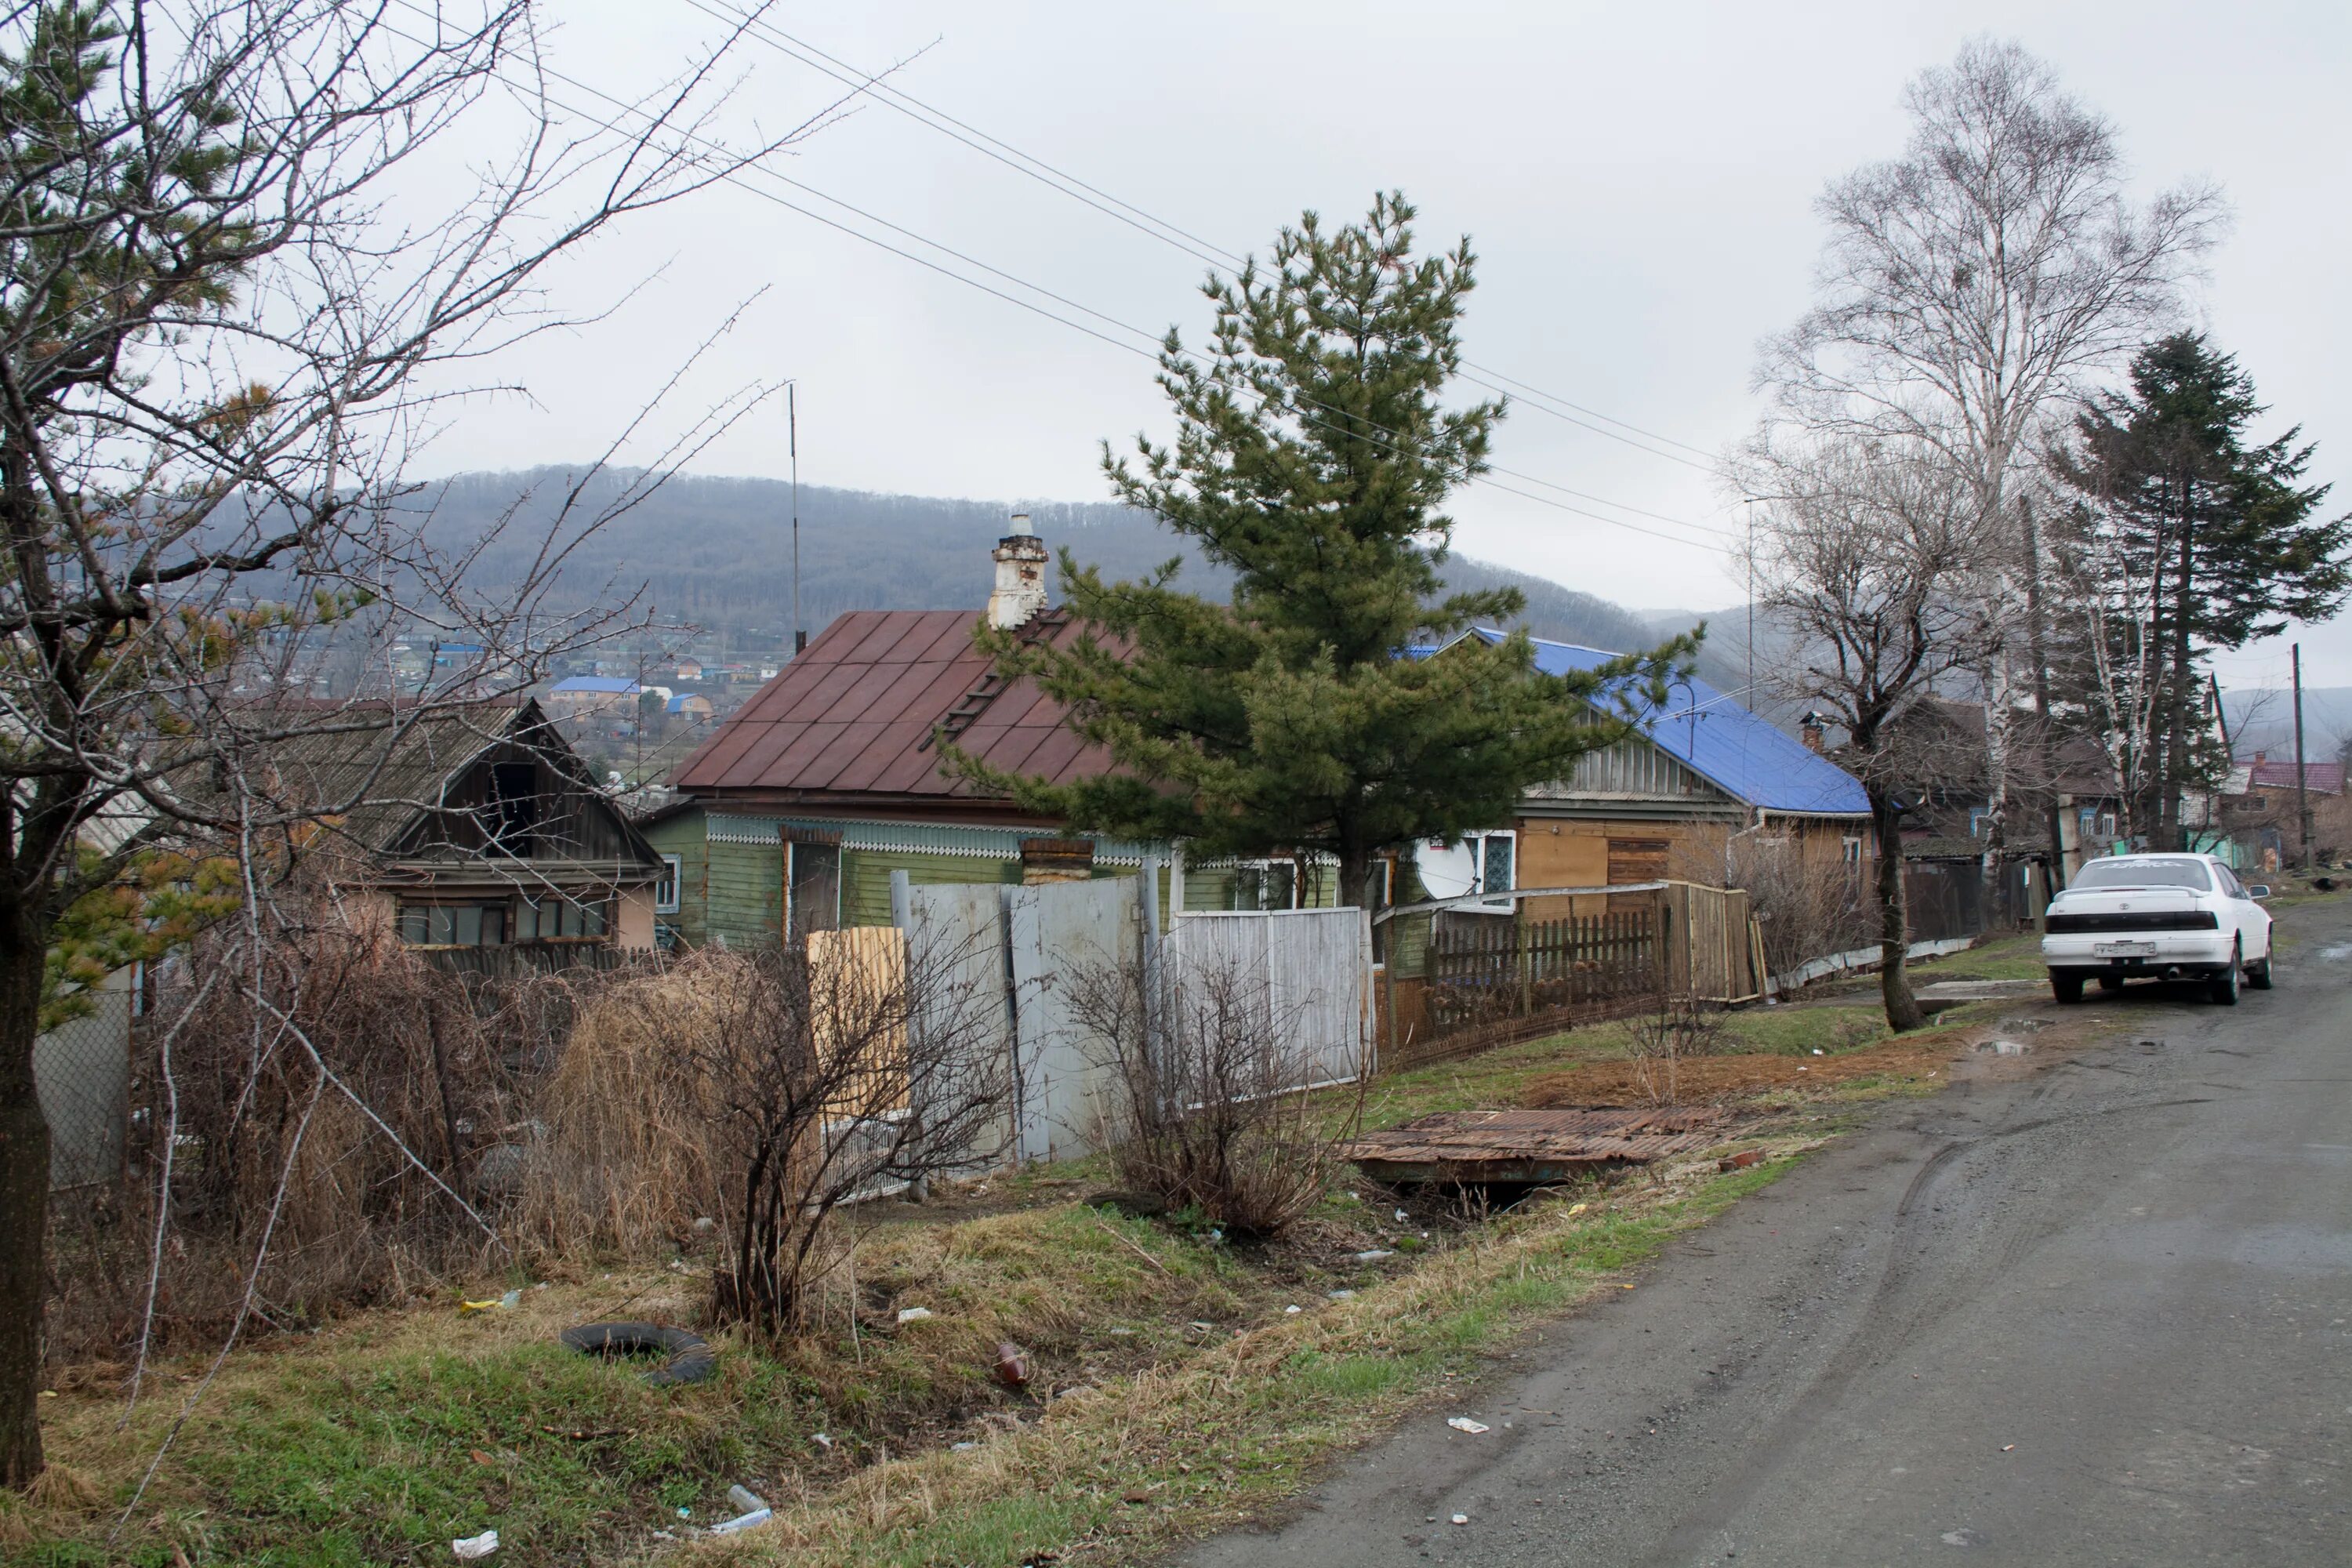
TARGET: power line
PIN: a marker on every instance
(1151, 353)
(1128, 213)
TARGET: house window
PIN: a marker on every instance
(2107, 824)
(811, 888)
(1976, 824)
(514, 806)
(453, 925)
(666, 889)
(1852, 844)
(1494, 859)
(1264, 885)
(554, 918)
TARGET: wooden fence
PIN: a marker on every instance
(1466, 982)
(1480, 969)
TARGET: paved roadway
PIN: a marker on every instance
(2099, 1312)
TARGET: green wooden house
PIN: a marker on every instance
(794, 813)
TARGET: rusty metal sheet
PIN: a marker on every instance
(853, 713)
(1531, 1145)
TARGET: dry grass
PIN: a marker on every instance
(626, 1164)
(1911, 1059)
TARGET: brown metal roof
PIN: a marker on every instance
(849, 718)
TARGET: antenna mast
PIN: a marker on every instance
(793, 436)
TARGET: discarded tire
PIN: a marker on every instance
(687, 1357)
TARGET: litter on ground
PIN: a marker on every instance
(913, 1314)
(751, 1520)
(473, 1546)
(1463, 1423)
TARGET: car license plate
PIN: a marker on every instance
(2127, 949)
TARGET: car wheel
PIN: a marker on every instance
(2111, 982)
(2258, 975)
(2223, 989)
(2066, 988)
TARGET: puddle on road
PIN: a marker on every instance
(2338, 954)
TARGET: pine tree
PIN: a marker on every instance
(2228, 542)
(1313, 456)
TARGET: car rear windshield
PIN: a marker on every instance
(2144, 874)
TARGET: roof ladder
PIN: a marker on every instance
(991, 685)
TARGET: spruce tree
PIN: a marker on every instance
(2229, 539)
(1313, 457)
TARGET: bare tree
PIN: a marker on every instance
(229, 315)
(1867, 558)
(1970, 290)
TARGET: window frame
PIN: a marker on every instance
(1486, 906)
(673, 877)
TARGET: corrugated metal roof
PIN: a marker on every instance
(850, 715)
(385, 770)
(2318, 778)
(602, 685)
(1739, 752)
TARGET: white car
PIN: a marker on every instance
(2157, 917)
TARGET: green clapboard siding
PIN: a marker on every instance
(1408, 939)
(1207, 890)
(745, 903)
(682, 835)
(865, 878)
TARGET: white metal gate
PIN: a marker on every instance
(1020, 952)
(1317, 972)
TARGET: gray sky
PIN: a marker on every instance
(1637, 180)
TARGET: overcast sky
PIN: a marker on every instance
(1638, 182)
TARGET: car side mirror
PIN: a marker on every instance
(2258, 890)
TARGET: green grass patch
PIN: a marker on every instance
(1248, 1427)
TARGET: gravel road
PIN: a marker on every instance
(2088, 1310)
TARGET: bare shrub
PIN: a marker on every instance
(830, 1071)
(256, 1117)
(1206, 1074)
(1807, 906)
(1678, 1029)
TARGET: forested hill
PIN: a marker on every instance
(717, 553)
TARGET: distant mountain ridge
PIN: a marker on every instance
(717, 553)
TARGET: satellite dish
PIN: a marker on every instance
(1447, 872)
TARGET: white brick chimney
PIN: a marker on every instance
(1020, 592)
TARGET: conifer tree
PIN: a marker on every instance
(1313, 457)
(2226, 538)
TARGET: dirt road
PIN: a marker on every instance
(2098, 1312)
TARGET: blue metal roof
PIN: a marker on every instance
(613, 685)
(1744, 755)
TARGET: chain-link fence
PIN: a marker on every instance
(82, 1071)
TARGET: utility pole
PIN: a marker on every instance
(2301, 810)
(792, 436)
(1751, 704)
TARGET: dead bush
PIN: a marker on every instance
(622, 1157)
(822, 1074)
(1206, 1072)
(1678, 1029)
(335, 1094)
(1807, 906)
